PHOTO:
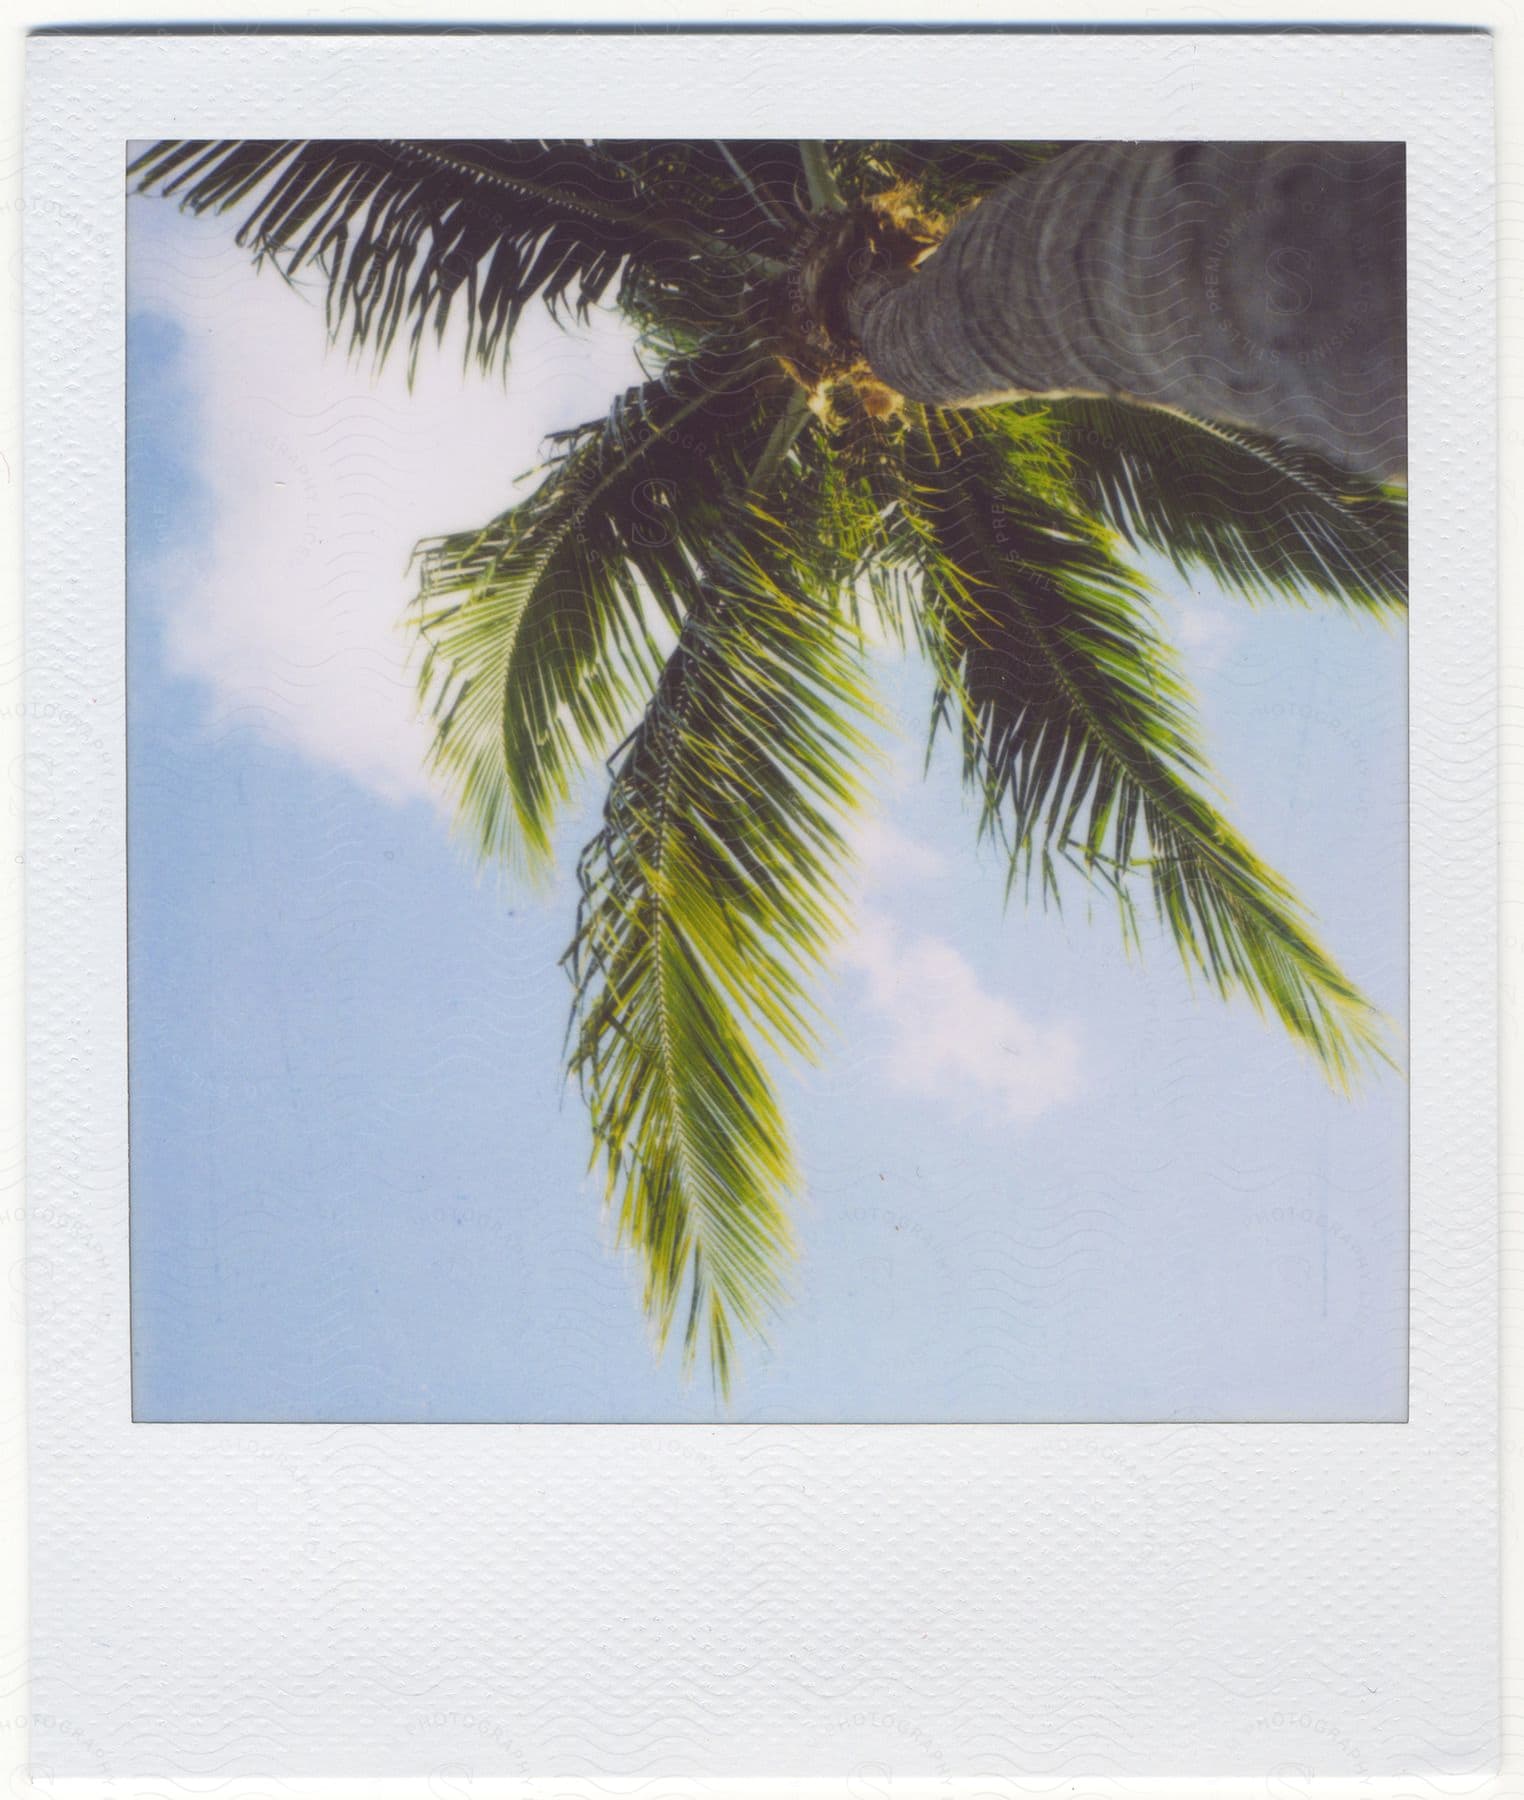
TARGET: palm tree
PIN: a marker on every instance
(884, 387)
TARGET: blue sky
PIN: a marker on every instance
(1044, 1182)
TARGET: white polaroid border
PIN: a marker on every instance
(949, 1605)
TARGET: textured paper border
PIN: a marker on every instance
(605, 1600)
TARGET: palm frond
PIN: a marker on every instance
(406, 232)
(739, 190)
(1077, 734)
(544, 628)
(1266, 520)
(708, 897)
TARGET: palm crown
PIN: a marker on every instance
(687, 593)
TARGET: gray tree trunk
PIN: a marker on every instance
(1260, 285)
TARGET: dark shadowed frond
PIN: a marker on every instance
(1264, 519)
(741, 191)
(708, 897)
(1077, 733)
(545, 629)
(410, 233)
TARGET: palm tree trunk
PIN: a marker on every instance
(1260, 285)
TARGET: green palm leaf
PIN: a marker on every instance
(1077, 732)
(1266, 521)
(707, 898)
(544, 629)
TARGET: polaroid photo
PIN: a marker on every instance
(761, 959)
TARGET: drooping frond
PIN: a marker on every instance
(410, 232)
(1077, 732)
(544, 629)
(1266, 520)
(708, 897)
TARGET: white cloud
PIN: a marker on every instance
(945, 1036)
(1196, 618)
(885, 853)
(321, 482)
(948, 1038)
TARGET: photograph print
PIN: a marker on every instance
(767, 781)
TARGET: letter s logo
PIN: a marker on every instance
(450, 1781)
(649, 501)
(870, 1781)
(1290, 289)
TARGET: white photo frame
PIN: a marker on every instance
(946, 1602)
